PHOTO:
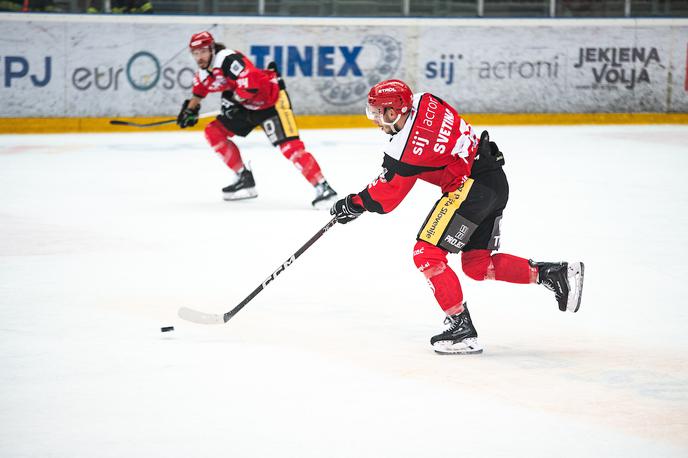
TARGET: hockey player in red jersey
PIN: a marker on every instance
(432, 142)
(250, 97)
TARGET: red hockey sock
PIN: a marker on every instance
(432, 262)
(295, 151)
(481, 265)
(218, 137)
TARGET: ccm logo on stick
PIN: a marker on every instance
(279, 270)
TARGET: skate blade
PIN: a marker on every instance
(465, 347)
(248, 193)
(575, 274)
(325, 204)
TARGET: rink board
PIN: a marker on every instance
(99, 66)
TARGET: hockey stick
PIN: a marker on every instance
(195, 316)
(117, 122)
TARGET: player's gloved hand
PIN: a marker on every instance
(484, 144)
(488, 148)
(188, 117)
(272, 65)
(488, 155)
(346, 210)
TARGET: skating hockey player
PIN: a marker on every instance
(432, 142)
(250, 97)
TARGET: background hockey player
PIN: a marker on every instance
(250, 97)
(431, 142)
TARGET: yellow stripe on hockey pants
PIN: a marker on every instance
(283, 107)
(442, 214)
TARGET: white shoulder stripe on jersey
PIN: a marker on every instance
(398, 142)
(220, 57)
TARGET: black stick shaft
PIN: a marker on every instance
(280, 269)
(117, 122)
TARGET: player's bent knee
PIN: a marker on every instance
(216, 133)
(429, 259)
(477, 264)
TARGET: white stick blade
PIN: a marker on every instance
(195, 316)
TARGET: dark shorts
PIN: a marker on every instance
(277, 122)
(469, 218)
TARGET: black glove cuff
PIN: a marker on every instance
(353, 207)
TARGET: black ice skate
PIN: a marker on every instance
(565, 279)
(460, 338)
(243, 188)
(325, 196)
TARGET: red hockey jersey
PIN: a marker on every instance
(230, 70)
(435, 145)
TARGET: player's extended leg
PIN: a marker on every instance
(244, 186)
(460, 337)
(483, 265)
(565, 279)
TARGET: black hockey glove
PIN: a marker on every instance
(188, 117)
(489, 149)
(488, 156)
(346, 210)
(273, 66)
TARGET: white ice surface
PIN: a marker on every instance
(103, 237)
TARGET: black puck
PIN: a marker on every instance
(167, 329)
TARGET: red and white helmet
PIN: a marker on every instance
(201, 40)
(389, 94)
